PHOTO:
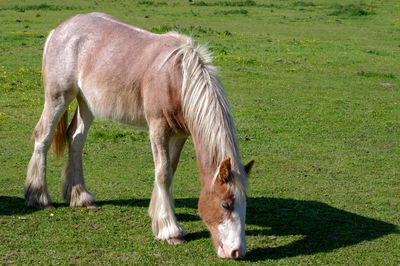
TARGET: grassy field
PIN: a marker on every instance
(315, 91)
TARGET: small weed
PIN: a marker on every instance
(160, 29)
(222, 54)
(227, 33)
(220, 50)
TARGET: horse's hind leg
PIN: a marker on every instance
(74, 190)
(35, 189)
(162, 211)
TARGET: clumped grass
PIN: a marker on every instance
(303, 4)
(200, 3)
(152, 3)
(191, 30)
(225, 3)
(237, 3)
(231, 12)
(49, 7)
(128, 135)
(351, 10)
(376, 75)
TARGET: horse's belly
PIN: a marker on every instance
(120, 105)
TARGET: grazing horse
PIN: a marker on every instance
(164, 82)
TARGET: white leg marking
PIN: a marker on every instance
(162, 211)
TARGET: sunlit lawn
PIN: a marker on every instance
(314, 87)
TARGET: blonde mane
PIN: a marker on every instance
(205, 107)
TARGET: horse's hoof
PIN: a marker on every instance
(91, 206)
(176, 240)
(39, 206)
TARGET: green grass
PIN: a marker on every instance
(225, 3)
(231, 12)
(314, 87)
(46, 7)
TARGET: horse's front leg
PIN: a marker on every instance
(162, 211)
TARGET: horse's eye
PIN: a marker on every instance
(225, 204)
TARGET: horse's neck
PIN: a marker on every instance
(207, 164)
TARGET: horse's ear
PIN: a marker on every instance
(225, 172)
(248, 167)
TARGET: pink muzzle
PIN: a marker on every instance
(227, 252)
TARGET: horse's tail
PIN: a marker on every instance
(60, 136)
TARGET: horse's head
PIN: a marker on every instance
(223, 209)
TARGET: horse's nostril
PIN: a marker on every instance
(235, 254)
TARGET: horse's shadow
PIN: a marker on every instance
(322, 228)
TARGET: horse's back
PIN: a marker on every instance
(106, 61)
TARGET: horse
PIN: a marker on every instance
(160, 81)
